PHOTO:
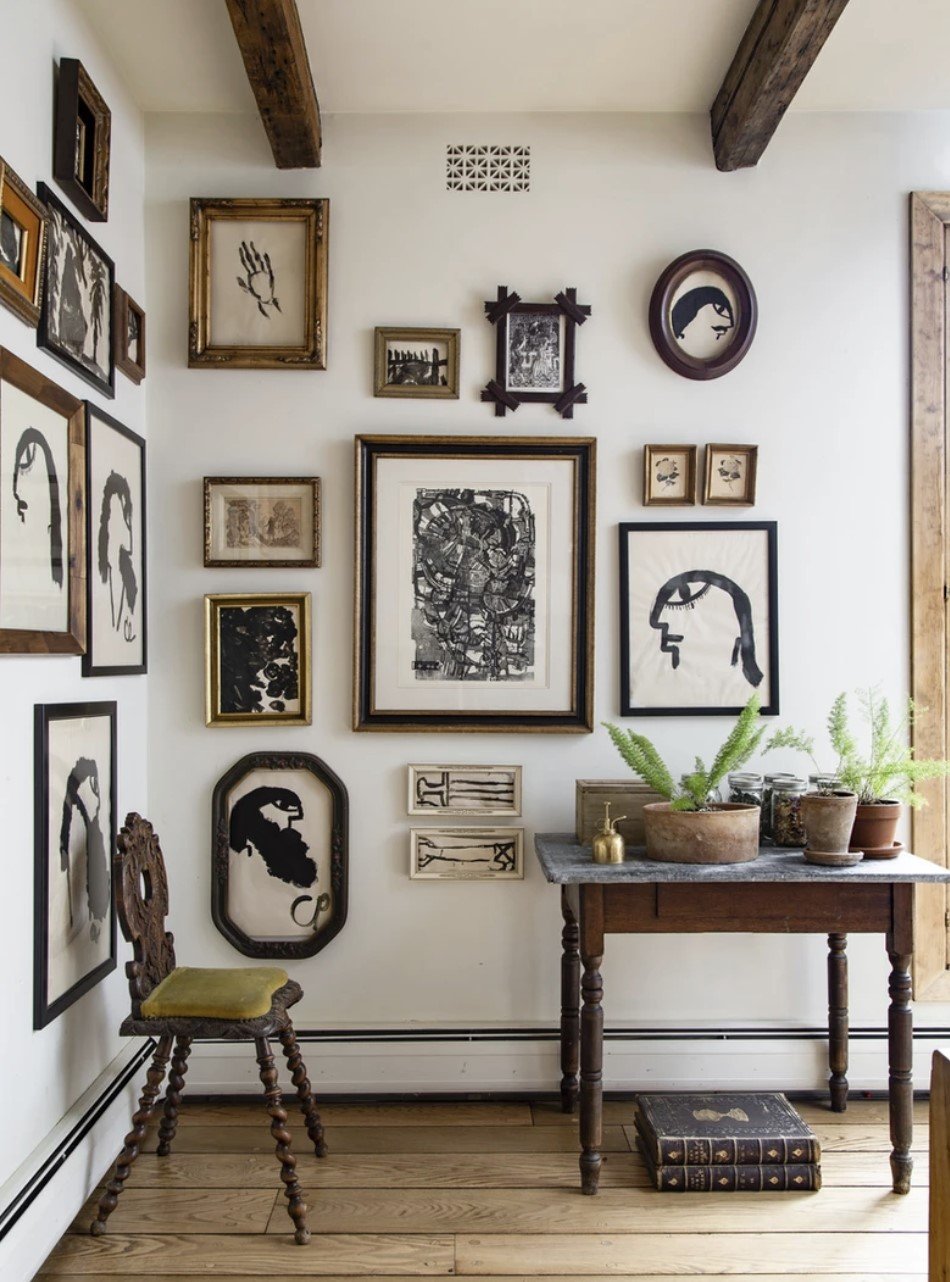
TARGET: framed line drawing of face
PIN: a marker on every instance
(534, 352)
(698, 617)
(703, 314)
(115, 535)
(257, 659)
(730, 475)
(466, 854)
(417, 363)
(262, 520)
(75, 830)
(464, 790)
(280, 839)
(669, 475)
(22, 246)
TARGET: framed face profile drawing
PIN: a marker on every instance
(22, 246)
(669, 475)
(417, 363)
(698, 617)
(257, 659)
(730, 475)
(262, 520)
(280, 840)
(464, 790)
(42, 520)
(534, 352)
(75, 829)
(475, 563)
(466, 854)
(258, 291)
(703, 314)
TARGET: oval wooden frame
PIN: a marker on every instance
(670, 280)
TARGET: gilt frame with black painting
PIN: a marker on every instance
(730, 475)
(669, 475)
(258, 283)
(416, 363)
(262, 521)
(116, 526)
(22, 247)
(128, 326)
(82, 141)
(703, 314)
(257, 659)
(280, 842)
(698, 617)
(534, 352)
(475, 584)
(74, 834)
(76, 319)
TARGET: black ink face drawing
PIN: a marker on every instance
(262, 823)
(259, 662)
(684, 592)
(258, 278)
(667, 472)
(473, 585)
(705, 306)
(116, 568)
(415, 369)
(30, 445)
(82, 798)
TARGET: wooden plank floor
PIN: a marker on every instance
(491, 1190)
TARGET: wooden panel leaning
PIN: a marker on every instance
(939, 1169)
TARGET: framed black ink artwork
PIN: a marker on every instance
(466, 854)
(280, 840)
(438, 790)
(74, 831)
(703, 314)
(698, 617)
(669, 475)
(22, 246)
(474, 594)
(128, 326)
(115, 536)
(730, 475)
(534, 352)
(257, 659)
(421, 364)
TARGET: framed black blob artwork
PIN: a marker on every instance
(703, 314)
(257, 657)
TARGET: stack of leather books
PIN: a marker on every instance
(726, 1143)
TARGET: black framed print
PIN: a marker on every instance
(703, 314)
(117, 640)
(534, 352)
(698, 617)
(75, 831)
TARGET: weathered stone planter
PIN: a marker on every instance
(726, 833)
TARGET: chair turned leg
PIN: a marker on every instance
(176, 1084)
(298, 1073)
(296, 1206)
(153, 1084)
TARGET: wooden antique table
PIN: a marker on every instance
(778, 892)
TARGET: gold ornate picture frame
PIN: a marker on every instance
(272, 521)
(257, 659)
(22, 246)
(416, 363)
(82, 141)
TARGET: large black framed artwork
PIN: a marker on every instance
(534, 352)
(280, 837)
(74, 832)
(117, 641)
(698, 617)
(474, 595)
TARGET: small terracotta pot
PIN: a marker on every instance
(875, 828)
(727, 833)
(827, 819)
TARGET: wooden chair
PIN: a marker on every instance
(170, 1002)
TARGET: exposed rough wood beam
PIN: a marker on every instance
(275, 58)
(777, 51)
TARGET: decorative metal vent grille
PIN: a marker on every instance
(469, 167)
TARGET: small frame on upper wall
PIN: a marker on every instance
(82, 141)
(703, 314)
(730, 475)
(534, 352)
(416, 363)
(262, 520)
(669, 475)
(257, 659)
(22, 246)
(128, 325)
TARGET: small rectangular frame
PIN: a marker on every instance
(742, 462)
(124, 311)
(82, 140)
(572, 314)
(683, 495)
(214, 716)
(21, 285)
(466, 790)
(384, 338)
(466, 854)
(312, 559)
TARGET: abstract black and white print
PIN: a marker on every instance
(473, 575)
(78, 298)
(534, 352)
(466, 854)
(417, 367)
(259, 659)
(465, 790)
(11, 243)
(251, 522)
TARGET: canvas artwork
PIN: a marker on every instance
(465, 790)
(262, 521)
(258, 659)
(535, 343)
(466, 854)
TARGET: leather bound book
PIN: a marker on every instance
(757, 1128)
(793, 1178)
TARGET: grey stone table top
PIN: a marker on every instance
(566, 862)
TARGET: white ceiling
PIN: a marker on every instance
(522, 55)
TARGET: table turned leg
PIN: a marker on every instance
(592, 1064)
(570, 1006)
(838, 1021)
(900, 1045)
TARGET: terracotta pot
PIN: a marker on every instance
(875, 829)
(727, 833)
(827, 819)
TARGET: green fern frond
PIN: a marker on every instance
(643, 759)
(743, 739)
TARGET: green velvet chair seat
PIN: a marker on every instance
(209, 993)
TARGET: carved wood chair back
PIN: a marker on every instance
(141, 900)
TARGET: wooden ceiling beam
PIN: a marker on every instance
(781, 42)
(275, 58)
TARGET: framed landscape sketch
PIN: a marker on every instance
(115, 535)
(76, 319)
(82, 141)
(280, 825)
(464, 790)
(703, 314)
(42, 521)
(258, 283)
(730, 475)
(75, 830)
(534, 352)
(466, 854)
(698, 617)
(421, 363)
(475, 561)
(669, 475)
(22, 246)
(262, 520)
(257, 659)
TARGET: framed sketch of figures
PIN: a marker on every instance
(22, 246)
(698, 617)
(464, 790)
(75, 828)
(475, 564)
(258, 290)
(257, 656)
(262, 520)
(534, 352)
(42, 521)
(115, 536)
(466, 854)
(703, 314)
(280, 840)
(76, 320)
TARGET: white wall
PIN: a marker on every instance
(48, 1070)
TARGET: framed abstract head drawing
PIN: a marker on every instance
(262, 520)
(534, 352)
(703, 314)
(698, 617)
(474, 595)
(257, 659)
(258, 283)
(22, 246)
(280, 841)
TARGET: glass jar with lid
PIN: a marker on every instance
(765, 818)
(787, 794)
(745, 788)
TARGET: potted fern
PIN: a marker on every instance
(687, 828)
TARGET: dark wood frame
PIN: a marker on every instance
(752, 466)
(285, 950)
(626, 528)
(243, 600)
(565, 304)
(77, 96)
(311, 562)
(649, 451)
(583, 451)
(661, 300)
(384, 335)
(43, 337)
(44, 1012)
(89, 666)
(73, 640)
(23, 293)
(122, 306)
